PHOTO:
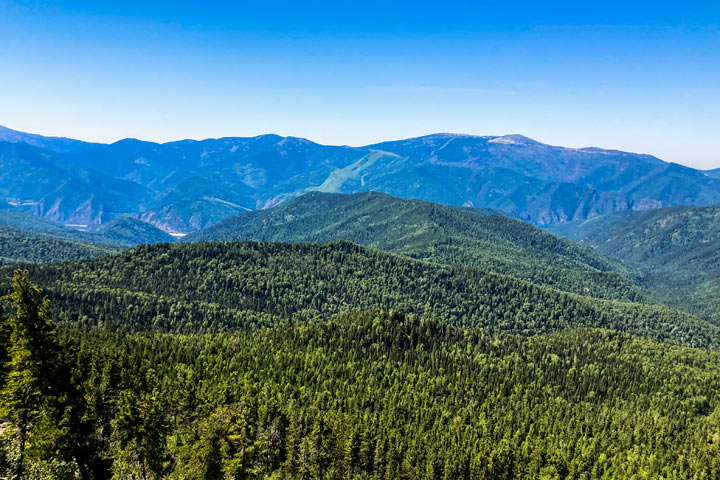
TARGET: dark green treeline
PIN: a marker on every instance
(365, 396)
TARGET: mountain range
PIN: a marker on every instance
(299, 332)
(184, 186)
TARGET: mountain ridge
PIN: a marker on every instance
(57, 144)
(186, 185)
(219, 286)
(433, 232)
(676, 250)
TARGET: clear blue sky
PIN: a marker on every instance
(637, 76)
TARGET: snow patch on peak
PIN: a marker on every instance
(514, 140)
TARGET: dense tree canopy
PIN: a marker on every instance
(257, 360)
(213, 287)
(676, 249)
(439, 233)
(384, 395)
(18, 246)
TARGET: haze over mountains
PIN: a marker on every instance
(25, 237)
(184, 186)
(298, 332)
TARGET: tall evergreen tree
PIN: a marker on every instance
(24, 395)
(4, 343)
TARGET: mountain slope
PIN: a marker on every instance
(53, 144)
(13, 217)
(220, 286)
(198, 183)
(432, 232)
(714, 173)
(543, 183)
(121, 231)
(21, 246)
(676, 248)
(187, 185)
(37, 181)
(130, 231)
(19, 219)
(373, 393)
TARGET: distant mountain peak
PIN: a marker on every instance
(515, 139)
(451, 135)
(55, 144)
(133, 141)
(187, 185)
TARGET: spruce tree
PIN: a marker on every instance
(27, 386)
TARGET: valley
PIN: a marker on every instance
(219, 316)
(359, 240)
(187, 185)
(675, 248)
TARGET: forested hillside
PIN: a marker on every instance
(20, 246)
(230, 359)
(369, 395)
(130, 231)
(433, 232)
(210, 287)
(14, 217)
(122, 231)
(677, 249)
(309, 240)
(26, 238)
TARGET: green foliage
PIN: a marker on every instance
(139, 436)
(677, 250)
(391, 396)
(20, 246)
(4, 340)
(27, 388)
(210, 287)
(25, 238)
(432, 232)
(41, 408)
(130, 231)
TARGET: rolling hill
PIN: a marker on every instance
(25, 237)
(187, 185)
(130, 231)
(22, 246)
(13, 217)
(211, 287)
(433, 232)
(676, 248)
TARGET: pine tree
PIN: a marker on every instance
(140, 435)
(24, 396)
(4, 343)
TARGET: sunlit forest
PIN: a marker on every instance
(368, 394)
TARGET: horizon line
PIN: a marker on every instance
(453, 134)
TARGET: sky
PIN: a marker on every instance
(635, 76)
